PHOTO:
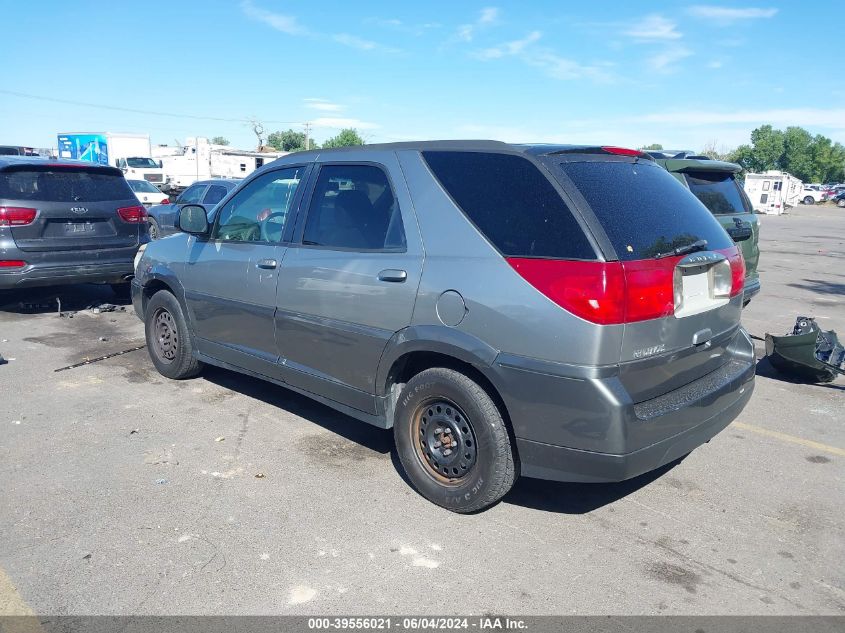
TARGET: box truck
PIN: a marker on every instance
(129, 152)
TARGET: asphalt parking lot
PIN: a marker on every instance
(126, 493)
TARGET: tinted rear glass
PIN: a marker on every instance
(717, 191)
(512, 203)
(63, 185)
(643, 209)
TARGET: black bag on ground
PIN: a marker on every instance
(807, 352)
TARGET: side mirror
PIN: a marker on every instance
(160, 165)
(192, 219)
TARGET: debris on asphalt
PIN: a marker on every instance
(134, 431)
(103, 338)
(161, 481)
(260, 475)
(808, 352)
(219, 439)
(88, 361)
(107, 307)
(86, 557)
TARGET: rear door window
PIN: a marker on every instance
(64, 185)
(643, 209)
(214, 194)
(717, 191)
(512, 203)
(353, 207)
(192, 195)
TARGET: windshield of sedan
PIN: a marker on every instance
(141, 162)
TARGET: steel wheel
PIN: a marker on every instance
(166, 335)
(153, 229)
(444, 441)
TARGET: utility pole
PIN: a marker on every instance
(307, 126)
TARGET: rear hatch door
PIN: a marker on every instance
(77, 207)
(646, 214)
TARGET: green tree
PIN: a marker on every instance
(289, 141)
(346, 138)
(768, 148)
(797, 156)
(220, 140)
(654, 146)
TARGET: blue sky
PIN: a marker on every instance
(681, 74)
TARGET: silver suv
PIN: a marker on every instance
(561, 312)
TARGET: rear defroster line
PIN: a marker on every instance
(89, 361)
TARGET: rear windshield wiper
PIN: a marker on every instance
(686, 249)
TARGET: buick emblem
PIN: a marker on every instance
(79, 210)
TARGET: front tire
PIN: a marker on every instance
(169, 341)
(841, 203)
(452, 441)
(809, 200)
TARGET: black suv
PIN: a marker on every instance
(66, 222)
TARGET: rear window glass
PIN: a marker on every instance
(643, 209)
(63, 185)
(717, 191)
(512, 203)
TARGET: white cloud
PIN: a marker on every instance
(323, 105)
(354, 42)
(486, 17)
(728, 15)
(509, 48)
(715, 64)
(543, 58)
(666, 60)
(653, 27)
(284, 23)
(337, 123)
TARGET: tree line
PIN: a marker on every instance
(293, 141)
(809, 158)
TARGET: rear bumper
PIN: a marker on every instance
(752, 287)
(545, 461)
(589, 428)
(40, 275)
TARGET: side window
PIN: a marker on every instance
(764, 198)
(766, 185)
(214, 194)
(258, 212)
(353, 206)
(191, 195)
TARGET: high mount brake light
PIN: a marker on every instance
(624, 151)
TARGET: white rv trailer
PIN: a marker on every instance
(773, 192)
(200, 160)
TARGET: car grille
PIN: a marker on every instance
(152, 177)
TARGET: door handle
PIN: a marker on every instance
(269, 264)
(392, 274)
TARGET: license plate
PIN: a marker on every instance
(79, 227)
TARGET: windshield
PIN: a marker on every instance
(141, 162)
(643, 209)
(142, 186)
(717, 191)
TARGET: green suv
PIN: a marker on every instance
(714, 183)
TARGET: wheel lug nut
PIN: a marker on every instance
(438, 430)
(448, 451)
(447, 431)
(437, 445)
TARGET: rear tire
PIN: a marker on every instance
(452, 441)
(809, 200)
(155, 230)
(841, 203)
(169, 341)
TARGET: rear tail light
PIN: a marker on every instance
(133, 215)
(737, 263)
(165, 201)
(16, 216)
(605, 292)
(12, 263)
